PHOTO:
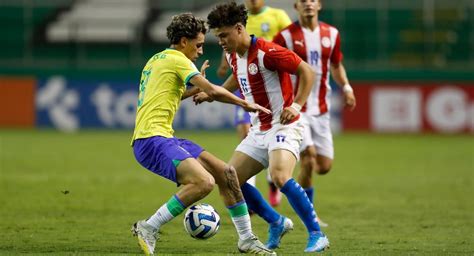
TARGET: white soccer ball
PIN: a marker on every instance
(201, 221)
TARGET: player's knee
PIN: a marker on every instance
(206, 185)
(324, 168)
(279, 180)
(230, 175)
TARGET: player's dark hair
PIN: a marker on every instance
(185, 25)
(228, 14)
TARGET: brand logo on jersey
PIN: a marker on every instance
(253, 69)
(326, 42)
(299, 42)
(265, 27)
(272, 49)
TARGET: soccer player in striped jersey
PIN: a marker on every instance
(162, 85)
(318, 44)
(261, 70)
(265, 22)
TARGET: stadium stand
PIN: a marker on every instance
(93, 33)
(99, 21)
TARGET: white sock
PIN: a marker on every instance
(162, 216)
(243, 226)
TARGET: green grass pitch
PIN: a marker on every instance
(78, 194)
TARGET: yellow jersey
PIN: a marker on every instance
(267, 23)
(163, 82)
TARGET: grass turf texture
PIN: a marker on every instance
(386, 195)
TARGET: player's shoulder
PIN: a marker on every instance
(268, 46)
(325, 25)
(292, 26)
(276, 11)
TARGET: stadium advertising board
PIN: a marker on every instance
(70, 105)
(17, 107)
(412, 107)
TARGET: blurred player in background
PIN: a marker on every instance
(162, 85)
(265, 22)
(319, 45)
(261, 70)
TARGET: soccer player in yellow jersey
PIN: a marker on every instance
(263, 21)
(196, 171)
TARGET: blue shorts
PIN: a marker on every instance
(162, 155)
(241, 116)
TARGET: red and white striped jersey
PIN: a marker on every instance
(263, 75)
(319, 48)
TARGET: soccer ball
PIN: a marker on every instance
(201, 221)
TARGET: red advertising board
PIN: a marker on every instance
(17, 102)
(412, 107)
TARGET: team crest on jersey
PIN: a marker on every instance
(253, 69)
(326, 42)
(265, 27)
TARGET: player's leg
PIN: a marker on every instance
(322, 137)
(246, 167)
(229, 188)
(249, 158)
(242, 126)
(308, 163)
(284, 144)
(282, 163)
(164, 157)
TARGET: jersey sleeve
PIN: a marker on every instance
(337, 55)
(185, 69)
(281, 59)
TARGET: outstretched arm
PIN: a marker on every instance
(221, 94)
(194, 90)
(230, 84)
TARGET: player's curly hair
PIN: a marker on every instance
(228, 14)
(185, 25)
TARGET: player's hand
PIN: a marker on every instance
(288, 114)
(349, 100)
(204, 66)
(253, 107)
(201, 97)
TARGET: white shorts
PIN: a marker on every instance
(317, 132)
(258, 144)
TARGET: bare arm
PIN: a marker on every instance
(306, 79)
(194, 90)
(340, 76)
(230, 84)
(221, 94)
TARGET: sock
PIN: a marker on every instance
(301, 204)
(258, 205)
(310, 193)
(241, 219)
(167, 212)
